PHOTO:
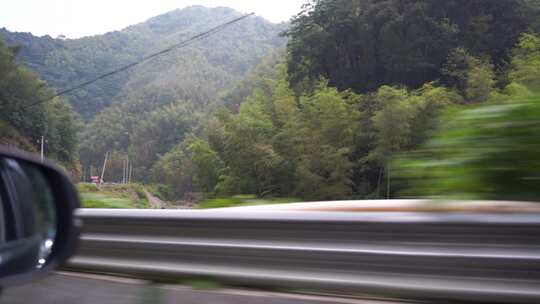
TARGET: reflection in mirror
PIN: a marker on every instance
(27, 217)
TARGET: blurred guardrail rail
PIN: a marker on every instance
(485, 257)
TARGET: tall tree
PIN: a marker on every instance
(326, 131)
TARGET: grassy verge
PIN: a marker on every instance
(244, 200)
(112, 196)
(98, 200)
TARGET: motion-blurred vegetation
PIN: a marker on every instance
(487, 151)
(484, 152)
(243, 200)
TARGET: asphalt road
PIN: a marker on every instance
(66, 288)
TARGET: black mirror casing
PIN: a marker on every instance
(15, 254)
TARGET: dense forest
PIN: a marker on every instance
(197, 73)
(362, 83)
(22, 125)
(368, 99)
(115, 111)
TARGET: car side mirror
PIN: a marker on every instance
(38, 231)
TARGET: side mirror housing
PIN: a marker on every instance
(38, 230)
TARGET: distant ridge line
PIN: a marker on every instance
(179, 45)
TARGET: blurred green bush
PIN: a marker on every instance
(490, 151)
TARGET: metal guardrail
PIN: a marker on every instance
(471, 257)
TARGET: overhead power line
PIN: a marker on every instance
(179, 45)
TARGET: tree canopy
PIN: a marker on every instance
(197, 74)
(363, 44)
(24, 117)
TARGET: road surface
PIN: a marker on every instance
(66, 288)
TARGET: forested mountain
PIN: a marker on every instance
(197, 74)
(350, 108)
(148, 109)
(24, 118)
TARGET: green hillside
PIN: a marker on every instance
(198, 73)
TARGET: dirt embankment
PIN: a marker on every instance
(154, 201)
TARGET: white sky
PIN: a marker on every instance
(77, 18)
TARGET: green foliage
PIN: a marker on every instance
(484, 152)
(480, 81)
(243, 200)
(526, 61)
(11, 137)
(163, 192)
(277, 145)
(247, 142)
(122, 111)
(19, 88)
(361, 82)
(207, 163)
(324, 139)
(221, 203)
(61, 132)
(392, 121)
(162, 129)
(139, 190)
(254, 79)
(488, 151)
(197, 74)
(175, 170)
(191, 166)
(472, 77)
(22, 124)
(456, 69)
(362, 45)
(427, 103)
(320, 145)
(400, 121)
(109, 131)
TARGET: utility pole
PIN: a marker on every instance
(127, 170)
(129, 173)
(42, 147)
(388, 180)
(104, 165)
(125, 179)
(123, 171)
